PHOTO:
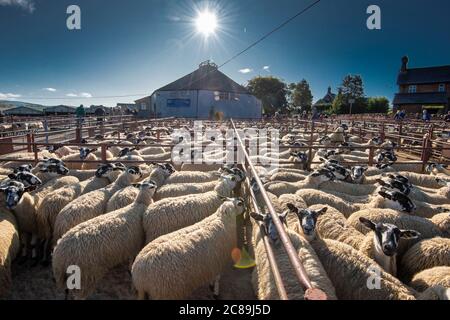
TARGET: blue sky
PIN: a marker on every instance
(137, 46)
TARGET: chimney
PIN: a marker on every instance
(405, 61)
(329, 91)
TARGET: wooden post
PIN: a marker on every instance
(78, 135)
(371, 156)
(103, 148)
(382, 133)
(400, 131)
(29, 148)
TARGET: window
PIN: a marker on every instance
(412, 89)
(226, 96)
(442, 87)
(143, 106)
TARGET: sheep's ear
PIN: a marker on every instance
(283, 216)
(292, 207)
(321, 211)
(29, 188)
(409, 234)
(381, 182)
(257, 216)
(366, 222)
(12, 176)
(136, 185)
(223, 198)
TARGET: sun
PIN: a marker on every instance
(206, 23)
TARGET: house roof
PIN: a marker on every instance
(206, 77)
(424, 75)
(327, 100)
(421, 98)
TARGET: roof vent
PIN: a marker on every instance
(208, 64)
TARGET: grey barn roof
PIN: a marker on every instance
(424, 75)
(206, 77)
(421, 98)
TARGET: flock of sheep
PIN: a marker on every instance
(174, 223)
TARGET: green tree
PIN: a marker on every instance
(352, 88)
(300, 95)
(377, 105)
(271, 91)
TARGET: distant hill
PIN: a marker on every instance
(7, 104)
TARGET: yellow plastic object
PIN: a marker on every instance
(244, 261)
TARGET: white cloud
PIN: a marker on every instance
(49, 89)
(245, 70)
(9, 96)
(24, 4)
(80, 95)
(267, 68)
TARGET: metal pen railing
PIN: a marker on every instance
(311, 293)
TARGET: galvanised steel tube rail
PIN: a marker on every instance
(267, 246)
(311, 293)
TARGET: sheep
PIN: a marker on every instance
(383, 242)
(289, 176)
(431, 277)
(175, 258)
(423, 255)
(91, 204)
(182, 189)
(171, 214)
(425, 227)
(351, 271)
(124, 197)
(423, 180)
(348, 269)
(312, 181)
(262, 278)
(333, 225)
(99, 244)
(56, 200)
(25, 204)
(9, 248)
(442, 221)
(193, 177)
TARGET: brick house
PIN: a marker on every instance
(423, 88)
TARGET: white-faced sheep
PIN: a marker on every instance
(9, 248)
(423, 255)
(262, 278)
(102, 243)
(171, 267)
(92, 204)
(171, 214)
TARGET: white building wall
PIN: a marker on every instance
(174, 104)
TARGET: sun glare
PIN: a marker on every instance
(206, 23)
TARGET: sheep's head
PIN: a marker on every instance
(300, 157)
(25, 177)
(307, 219)
(23, 168)
(105, 170)
(238, 173)
(148, 187)
(84, 152)
(395, 184)
(54, 166)
(234, 206)
(357, 173)
(322, 175)
(387, 236)
(396, 200)
(13, 191)
(134, 172)
(269, 226)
